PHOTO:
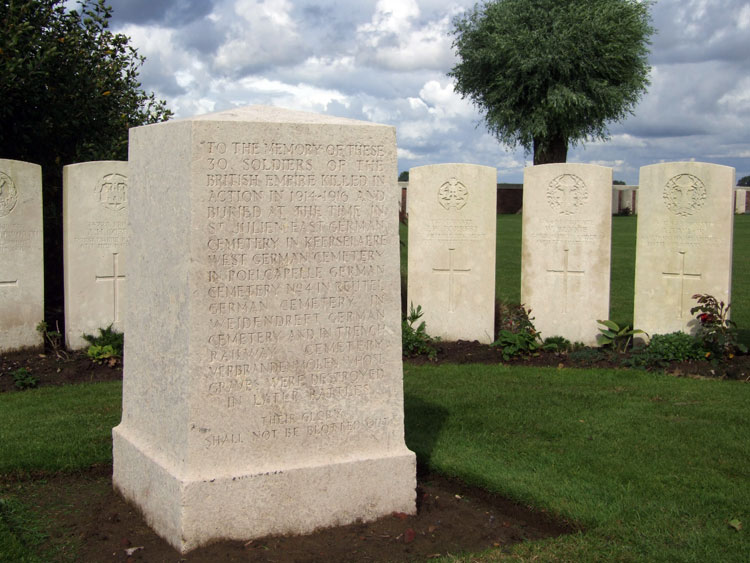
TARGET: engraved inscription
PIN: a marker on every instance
(112, 191)
(8, 194)
(453, 195)
(567, 193)
(293, 256)
(684, 194)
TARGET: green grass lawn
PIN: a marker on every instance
(650, 467)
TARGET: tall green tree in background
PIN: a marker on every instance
(547, 74)
(69, 91)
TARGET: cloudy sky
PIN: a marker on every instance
(386, 61)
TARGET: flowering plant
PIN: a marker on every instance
(716, 331)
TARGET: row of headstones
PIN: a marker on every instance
(94, 240)
(684, 246)
(624, 199)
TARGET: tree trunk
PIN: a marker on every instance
(549, 150)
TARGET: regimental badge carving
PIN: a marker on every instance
(112, 190)
(567, 193)
(684, 194)
(8, 194)
(453, 194)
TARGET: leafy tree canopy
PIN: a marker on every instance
(404, 176)
(549, 73)
(744, 181)
(69, 86)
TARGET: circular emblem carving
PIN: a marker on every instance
(453, 194)
(684, 194)
(567, 193)
(8, 194)
(112, 190)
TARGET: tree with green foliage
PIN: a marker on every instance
(547, 74)
(69, 92)
(744, 181)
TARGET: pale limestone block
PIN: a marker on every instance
(566, 240)
(263, 389)
(452, 224)
(21, 255)
(95, 217)
(740, 200)
(684, 244)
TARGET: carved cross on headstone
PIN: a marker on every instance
(565, 272)
(451, 270)
(681, 275)
(115, 278)
(8, 283)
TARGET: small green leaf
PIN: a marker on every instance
(610, 325)
(736, 524)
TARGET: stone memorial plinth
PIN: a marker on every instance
(566, 246)
(95, 218)
(263, 388)
(452, 224)
(684, 243)
(21, 255)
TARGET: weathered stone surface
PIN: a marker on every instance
(740, 200)
(95, 217)
(684, 245)
(21, 255)
(452, 224)
(567, 225)
(263, 391)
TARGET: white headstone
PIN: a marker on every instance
(452, 224)
(684, 243)
(565, 260)
(21, 255)
(263, 387)
(95, 220)
(740, 200)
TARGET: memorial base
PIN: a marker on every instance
(189, 511)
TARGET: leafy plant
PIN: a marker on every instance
(513, 317)
(517, 343)
(416, 341)
(557, 344)
(665, 348)
(516, 333)
(619, 338)
(107, 347)
(716, 331)
(23, 379)
(53, 339)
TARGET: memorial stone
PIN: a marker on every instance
(21, 255)
(684, 243)
(263, 389)
(565, 260)
(740, 200)
(452, 224)
(95, 217)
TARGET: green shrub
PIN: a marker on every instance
(665, 348)
(107, 347)
(23, 379)
(517, 344)
(416, 341)
(557, 344)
